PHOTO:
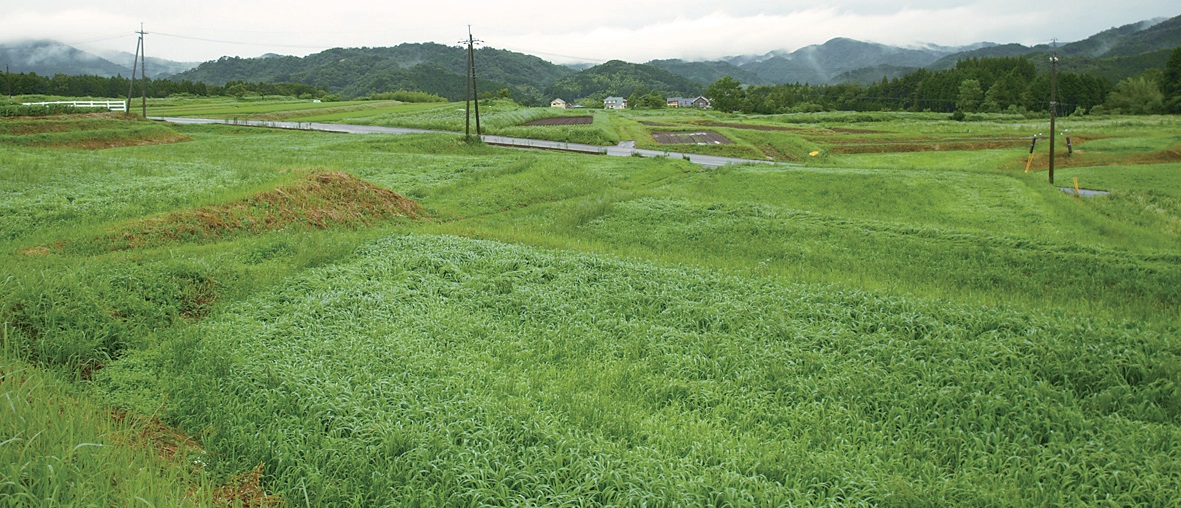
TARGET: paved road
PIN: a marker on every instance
(625, 149)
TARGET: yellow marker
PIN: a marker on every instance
(1077, 192)
(1030, 163)
(813, 154)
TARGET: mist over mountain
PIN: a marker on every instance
(46, 57)
(156, 67)
(435, 68)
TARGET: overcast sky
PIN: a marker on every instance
(562, 32)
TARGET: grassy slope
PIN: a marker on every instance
(773, 389)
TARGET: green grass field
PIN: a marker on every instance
(906, 318)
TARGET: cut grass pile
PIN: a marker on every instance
(320, 199)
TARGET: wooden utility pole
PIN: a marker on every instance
(143, 72)
(1053, 105)
(141, 62)
(134, 63)
(472, 91)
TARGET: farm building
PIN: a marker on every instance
(687, 102)
(558, 103)
(614, 103)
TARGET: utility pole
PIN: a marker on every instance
(472, 90)
(143, 72)
(1053, 104)
(141, 63)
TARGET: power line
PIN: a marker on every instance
(238, 42)
(531, 52)
(99, 39)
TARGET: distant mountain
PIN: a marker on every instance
(435, 68)
(46, 57)
(821, 64)
(1112, 54)
(621, 79)
(1130, 40)
(156, 67)
(708, 72)
(429, 67)
(871, 75)
(992, 51)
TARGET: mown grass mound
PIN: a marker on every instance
(86, 132)
(320, 200)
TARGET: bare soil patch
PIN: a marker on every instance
(845, 130)
(853, 146)
(562, 120)
(691, 138)
(749, 127)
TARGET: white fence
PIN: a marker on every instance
(111, 105)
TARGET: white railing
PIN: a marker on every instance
(111, 105)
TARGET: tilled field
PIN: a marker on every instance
(691, 138)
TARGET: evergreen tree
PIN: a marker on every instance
(970, 97)
(1171, 82)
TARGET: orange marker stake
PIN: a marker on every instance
(1028, 164)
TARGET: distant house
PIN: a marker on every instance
(558, 103)
(614, 103)
(686, 102)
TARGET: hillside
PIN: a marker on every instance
(708, 72)
(354, 72)
(622, 79)
(820, 64)
(1112, 54)
(157, 67)
(46, 57)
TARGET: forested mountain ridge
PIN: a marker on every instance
(623, 79)
(821, 64)
(1112, 55)
(353, 72)
(708, 72)
(48, 57)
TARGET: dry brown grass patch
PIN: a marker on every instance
(246, 490)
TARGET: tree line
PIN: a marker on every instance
(976, 85)
(117, 86)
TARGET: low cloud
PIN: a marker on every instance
(632, 31)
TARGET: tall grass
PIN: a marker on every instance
(890, 329)
(60, 450)
(432, 369)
